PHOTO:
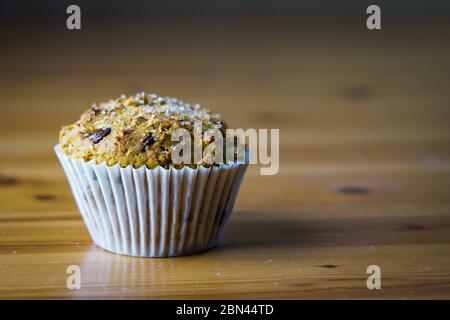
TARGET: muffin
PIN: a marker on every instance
(135, 199)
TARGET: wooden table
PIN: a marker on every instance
(365, 159)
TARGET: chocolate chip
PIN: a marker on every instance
(147, 142)
(357, 93)
(328, 266)
(97, 136)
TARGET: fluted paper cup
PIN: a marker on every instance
(153, 212)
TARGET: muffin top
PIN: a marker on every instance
(137, 130)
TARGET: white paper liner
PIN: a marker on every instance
(153, 212)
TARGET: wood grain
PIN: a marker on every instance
(364, 176)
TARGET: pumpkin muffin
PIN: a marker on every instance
(119, 162)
